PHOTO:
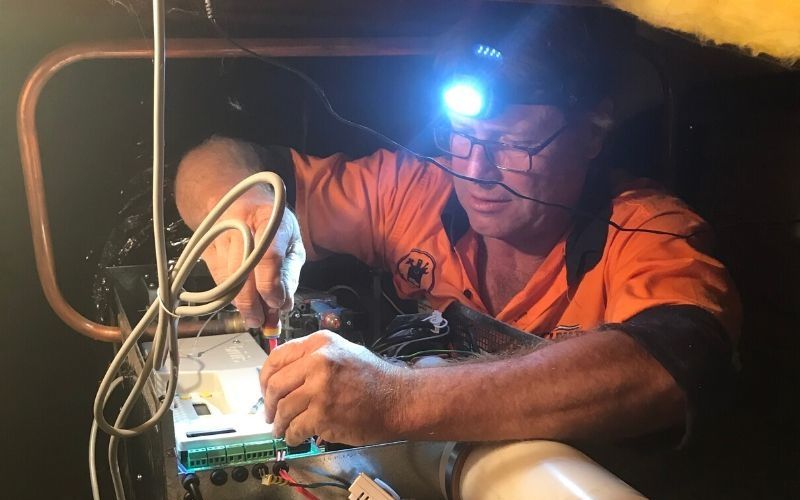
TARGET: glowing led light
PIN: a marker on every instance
(486, 51)
(464, 98)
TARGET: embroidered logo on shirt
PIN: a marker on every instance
(418, 267)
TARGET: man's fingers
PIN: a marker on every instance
(214, 257)
(221, 264)
(247, 301)
(289, 353)
(283, 355)
(292, 265)
(269, 270)
(271, 317)
(278, 277)
(268, 280)
(286, 286)
(234, 255)
(249, 304)
(283, 383)
(300, 428)
(289, 408)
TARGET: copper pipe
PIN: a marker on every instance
(223, 323)
(142, 49)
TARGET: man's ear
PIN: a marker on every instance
(600, 122)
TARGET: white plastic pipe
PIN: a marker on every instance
(536, 470)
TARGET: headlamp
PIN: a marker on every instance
(464, 97)
(468, 93)
(478, 86)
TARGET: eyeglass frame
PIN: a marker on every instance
(473, 141)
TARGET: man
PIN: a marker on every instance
(652, 317)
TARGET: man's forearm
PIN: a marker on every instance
(598, 386)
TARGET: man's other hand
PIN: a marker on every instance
(270, 288)
(322, 385)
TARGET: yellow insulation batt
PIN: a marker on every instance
(759, 26)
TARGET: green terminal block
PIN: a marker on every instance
(196, 458)
(259, 450)
(216, 456)
(256, 451)
(235, 453)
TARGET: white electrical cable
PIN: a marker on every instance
(93, 447)
(193, 352)
(170, 284)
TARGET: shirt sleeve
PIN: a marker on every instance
(649, 270)
(692, 346)
(358, 207)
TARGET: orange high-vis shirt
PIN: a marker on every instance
(385, 209)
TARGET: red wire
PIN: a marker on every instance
(300, 489)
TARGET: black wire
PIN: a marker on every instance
(399, 346)
(318, 485)
(329, 108)
(402, 334)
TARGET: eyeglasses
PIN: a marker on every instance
(501, 155)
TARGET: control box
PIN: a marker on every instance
(218, 410)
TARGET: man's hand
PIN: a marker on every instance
(271, 286)
(205, 174)
(322, 385)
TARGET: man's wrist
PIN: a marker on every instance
(407, 401)
(395, 390)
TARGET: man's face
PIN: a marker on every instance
(557, 173)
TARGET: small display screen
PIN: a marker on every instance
(201, 409)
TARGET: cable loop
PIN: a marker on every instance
(207, 302)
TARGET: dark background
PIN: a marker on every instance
(735, 123)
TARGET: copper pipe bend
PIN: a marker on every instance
(141, 49)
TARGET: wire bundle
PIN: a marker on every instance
(284, 479)
(411, 330)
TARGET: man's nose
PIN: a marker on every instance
(479, 166)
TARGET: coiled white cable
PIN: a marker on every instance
(168, 307)
(207, 302)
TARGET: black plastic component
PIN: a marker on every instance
(277, 467)
(336, 446)
(303, 447)
(240, 474)
(219, 477)
(259, 471)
